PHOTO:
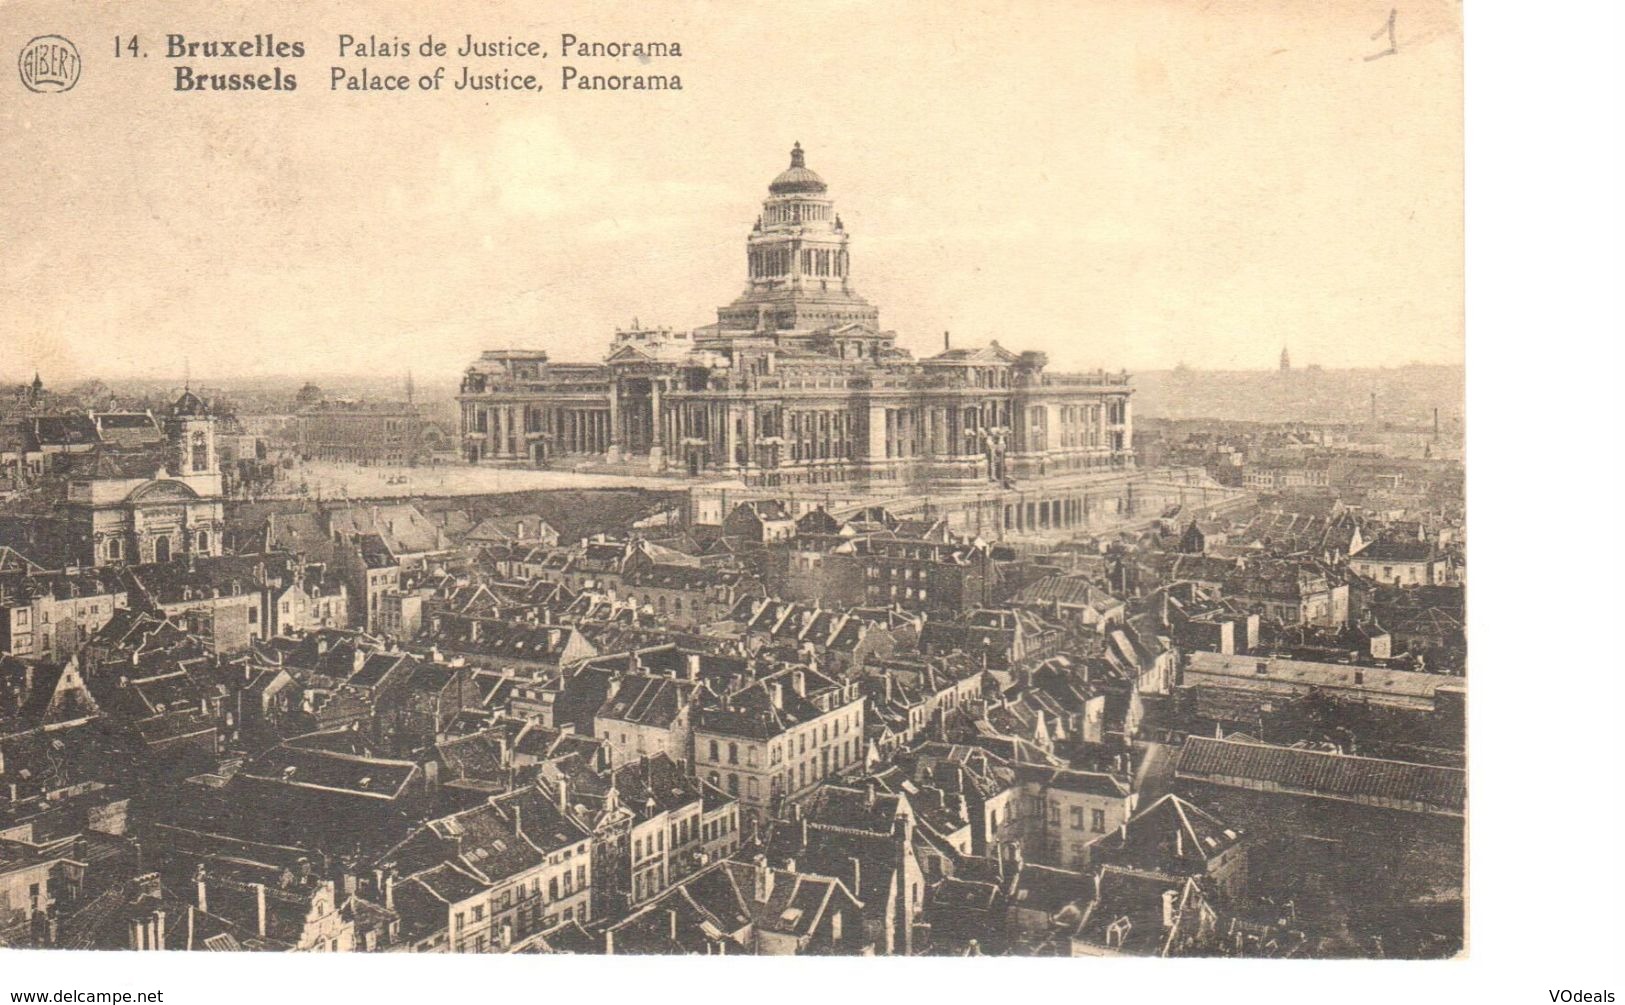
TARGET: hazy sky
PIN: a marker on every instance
(1124, 184)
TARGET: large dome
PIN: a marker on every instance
(798, 177)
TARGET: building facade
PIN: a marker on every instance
(156, 504)
(796, 383)
(358, 432)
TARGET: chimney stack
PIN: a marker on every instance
(944, 341)
(259, 903)
(202, 890)
(763, 885)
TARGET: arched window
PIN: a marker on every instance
(200, 452)
(160, 549)
(203, 542)
(115, 549)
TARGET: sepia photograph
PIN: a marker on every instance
(841, 480)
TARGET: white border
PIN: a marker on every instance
(1544, 269)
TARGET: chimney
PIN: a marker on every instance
(693, 666)
(202, 890)
(857, 876)
(158, 929)
(944, 341)
(259, 904)
(778, 694)
(609, 942)
(563, 795)
(518, 822)
(1179, 842)
(191, 925)
(798, 680)
(763, 885)
(671, 917)
(1169, 908)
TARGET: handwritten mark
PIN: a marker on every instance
(1387, 29)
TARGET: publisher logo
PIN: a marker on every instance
(48, 64)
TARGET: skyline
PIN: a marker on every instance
(1211, 199)
(179, 379)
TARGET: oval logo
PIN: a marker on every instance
(48, 64)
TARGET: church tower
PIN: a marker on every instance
(797, 262)
(191, 437)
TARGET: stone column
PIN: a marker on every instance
(657, 428)
(730, 437)
(615, 434)
(875, 448)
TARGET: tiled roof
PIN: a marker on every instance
(648, 700)
(1170, 835)
(1396, 784)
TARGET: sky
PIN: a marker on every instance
(1131, 184)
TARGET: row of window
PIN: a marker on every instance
(795, 212)
(712, 830)
(796, 777)
(656, 845)
(557, 886)
(794, 743)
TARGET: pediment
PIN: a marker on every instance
(163, 490)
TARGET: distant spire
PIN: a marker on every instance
(1286, 360)
(409, 387)
(187, 365)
